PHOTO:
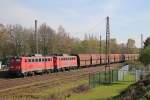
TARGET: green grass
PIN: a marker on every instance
(44, 93)
(57, 92)
(62, 88)
(104, 91)
(147, 94)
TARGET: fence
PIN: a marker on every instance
(140, 74)
(108, 77)
(103, 78)
(122, 72)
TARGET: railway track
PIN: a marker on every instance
(49, 79)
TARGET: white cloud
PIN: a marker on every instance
(14, 13)
(97, 23)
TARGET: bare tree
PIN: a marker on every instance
(46, 38)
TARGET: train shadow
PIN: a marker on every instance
(4, 74)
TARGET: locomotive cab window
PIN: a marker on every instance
(26, 60)
(49, 59)
(45, 59)
(32, 60)
(39, 59)
(29, 60)
(36, 60)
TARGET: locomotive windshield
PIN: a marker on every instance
(15, 61)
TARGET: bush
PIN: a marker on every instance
(145, 56)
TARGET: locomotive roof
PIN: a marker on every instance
(37, 57)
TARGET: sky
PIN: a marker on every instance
(128, 18)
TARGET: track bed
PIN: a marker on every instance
(28, 84)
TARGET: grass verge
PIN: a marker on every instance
(44, 91)
(104, 92)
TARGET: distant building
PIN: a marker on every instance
(1, 26)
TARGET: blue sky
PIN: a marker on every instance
(128, 18)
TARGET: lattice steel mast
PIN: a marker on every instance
(100, 44)
(141, 43)
(36, 37)
(107, 53)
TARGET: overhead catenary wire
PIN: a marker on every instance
(94, 27)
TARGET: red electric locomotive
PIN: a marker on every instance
(65, 62)
(31, 65)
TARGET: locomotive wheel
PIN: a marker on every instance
(25, 74)
(32, 73)
(56, 70)
(50, 70)
(47, 71)
(61, 70)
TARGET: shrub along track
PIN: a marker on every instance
(9, 87)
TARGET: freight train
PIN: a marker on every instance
(30, 65)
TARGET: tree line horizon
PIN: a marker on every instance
(17, 40)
